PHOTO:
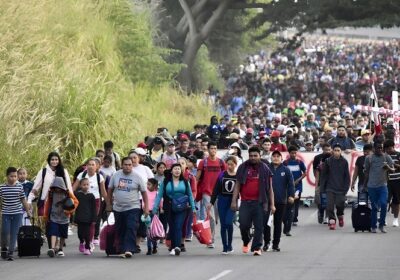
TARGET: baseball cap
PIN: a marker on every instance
(276, 152)
(140, 151)
(183, 137)
(249, 131)
(142, 145)
(365, 131)
(170, 142)
(233, 135)
(275, 133)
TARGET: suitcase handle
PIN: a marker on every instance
(28, 218)
(358, 196)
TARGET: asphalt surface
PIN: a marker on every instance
(313, 252)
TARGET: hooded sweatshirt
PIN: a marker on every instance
(335, 176)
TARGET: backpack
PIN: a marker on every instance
(40, 202)
(176, 155)
(205, 162)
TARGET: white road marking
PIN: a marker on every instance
(220, 275)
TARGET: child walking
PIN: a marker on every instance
(58, 208)
(152, 186)
(13, 197)
(85, 215)
(26, 185)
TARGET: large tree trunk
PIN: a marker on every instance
(185, 77)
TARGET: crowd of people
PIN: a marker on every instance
(292, 101)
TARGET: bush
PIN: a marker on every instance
(74, 73)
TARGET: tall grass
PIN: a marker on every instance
(74, 73)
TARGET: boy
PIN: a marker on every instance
(13, 197)
(26, 185)
(335, 182)
(298, 169)
(57, 216)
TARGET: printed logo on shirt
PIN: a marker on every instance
(294, 168)
(252, 174)
(228, 185)
(283, 174)
(123, 184)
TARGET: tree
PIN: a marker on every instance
(190, 23)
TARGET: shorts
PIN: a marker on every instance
(394, 191)
(59, 230)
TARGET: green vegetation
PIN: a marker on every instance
(74, 73)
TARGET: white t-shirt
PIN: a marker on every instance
(144, 172)
(108, 171)
(94, 186)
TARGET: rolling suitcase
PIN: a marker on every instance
(109, 239)
(361, 213)
(29, 240)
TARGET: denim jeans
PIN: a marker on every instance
(175, 223)
(251, 213)
(10, 225)
(204, 202)
(378, 198)
(189, 225)
(126, 224)
(226, 220)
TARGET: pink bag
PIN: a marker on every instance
(156, 230)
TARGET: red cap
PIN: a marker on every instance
(183, 137)
(250, 130)
(275, 133)
(142, 145)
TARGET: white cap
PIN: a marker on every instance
(140, 151)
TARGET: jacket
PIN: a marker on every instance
(335, 175)
(48, 203)
(282, 183)
(264, 184)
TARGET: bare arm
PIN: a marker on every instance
(355, 175)
(235, 196)
(103, 190)
(146, 203)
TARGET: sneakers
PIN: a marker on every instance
(81, 247)
(224, 252)
(326, 221)
(10, 258)
(51, 253)
(4, 253)
(396, 222)
(87, 252)
(332, 224)
(60, 253)
(257, 252)
(172, 253)
(128, 255)
(382, 229)
(294, 224)
(177, 251)
(211, 246)
(189, 238)
(92, 247)
(230, 250)
(373, 230)
(288, 234)
(245, 249)
(96, 242)
(341, 221)
(276, 249)
(148, 253)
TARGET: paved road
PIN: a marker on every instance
(313, 252)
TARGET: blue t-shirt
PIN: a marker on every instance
(297, 167)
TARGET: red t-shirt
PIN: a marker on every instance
(250, 190)
(210, 172)
(278, 147)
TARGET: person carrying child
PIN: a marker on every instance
(13, 197)
(85, 215)
(59, 205)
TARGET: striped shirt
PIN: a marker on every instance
(11, 196)
(393, 176)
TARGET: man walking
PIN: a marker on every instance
(335, 181)
(257, 197)
(283, 187)
(376, 167)
(124, 195)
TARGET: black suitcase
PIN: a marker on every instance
(361, 213)
(29, 240)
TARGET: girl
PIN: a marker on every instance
(223, 190)
(152, 187)
(160, 169)
(97, 188)
(173, 188)
(43, 180)
(85, 215)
